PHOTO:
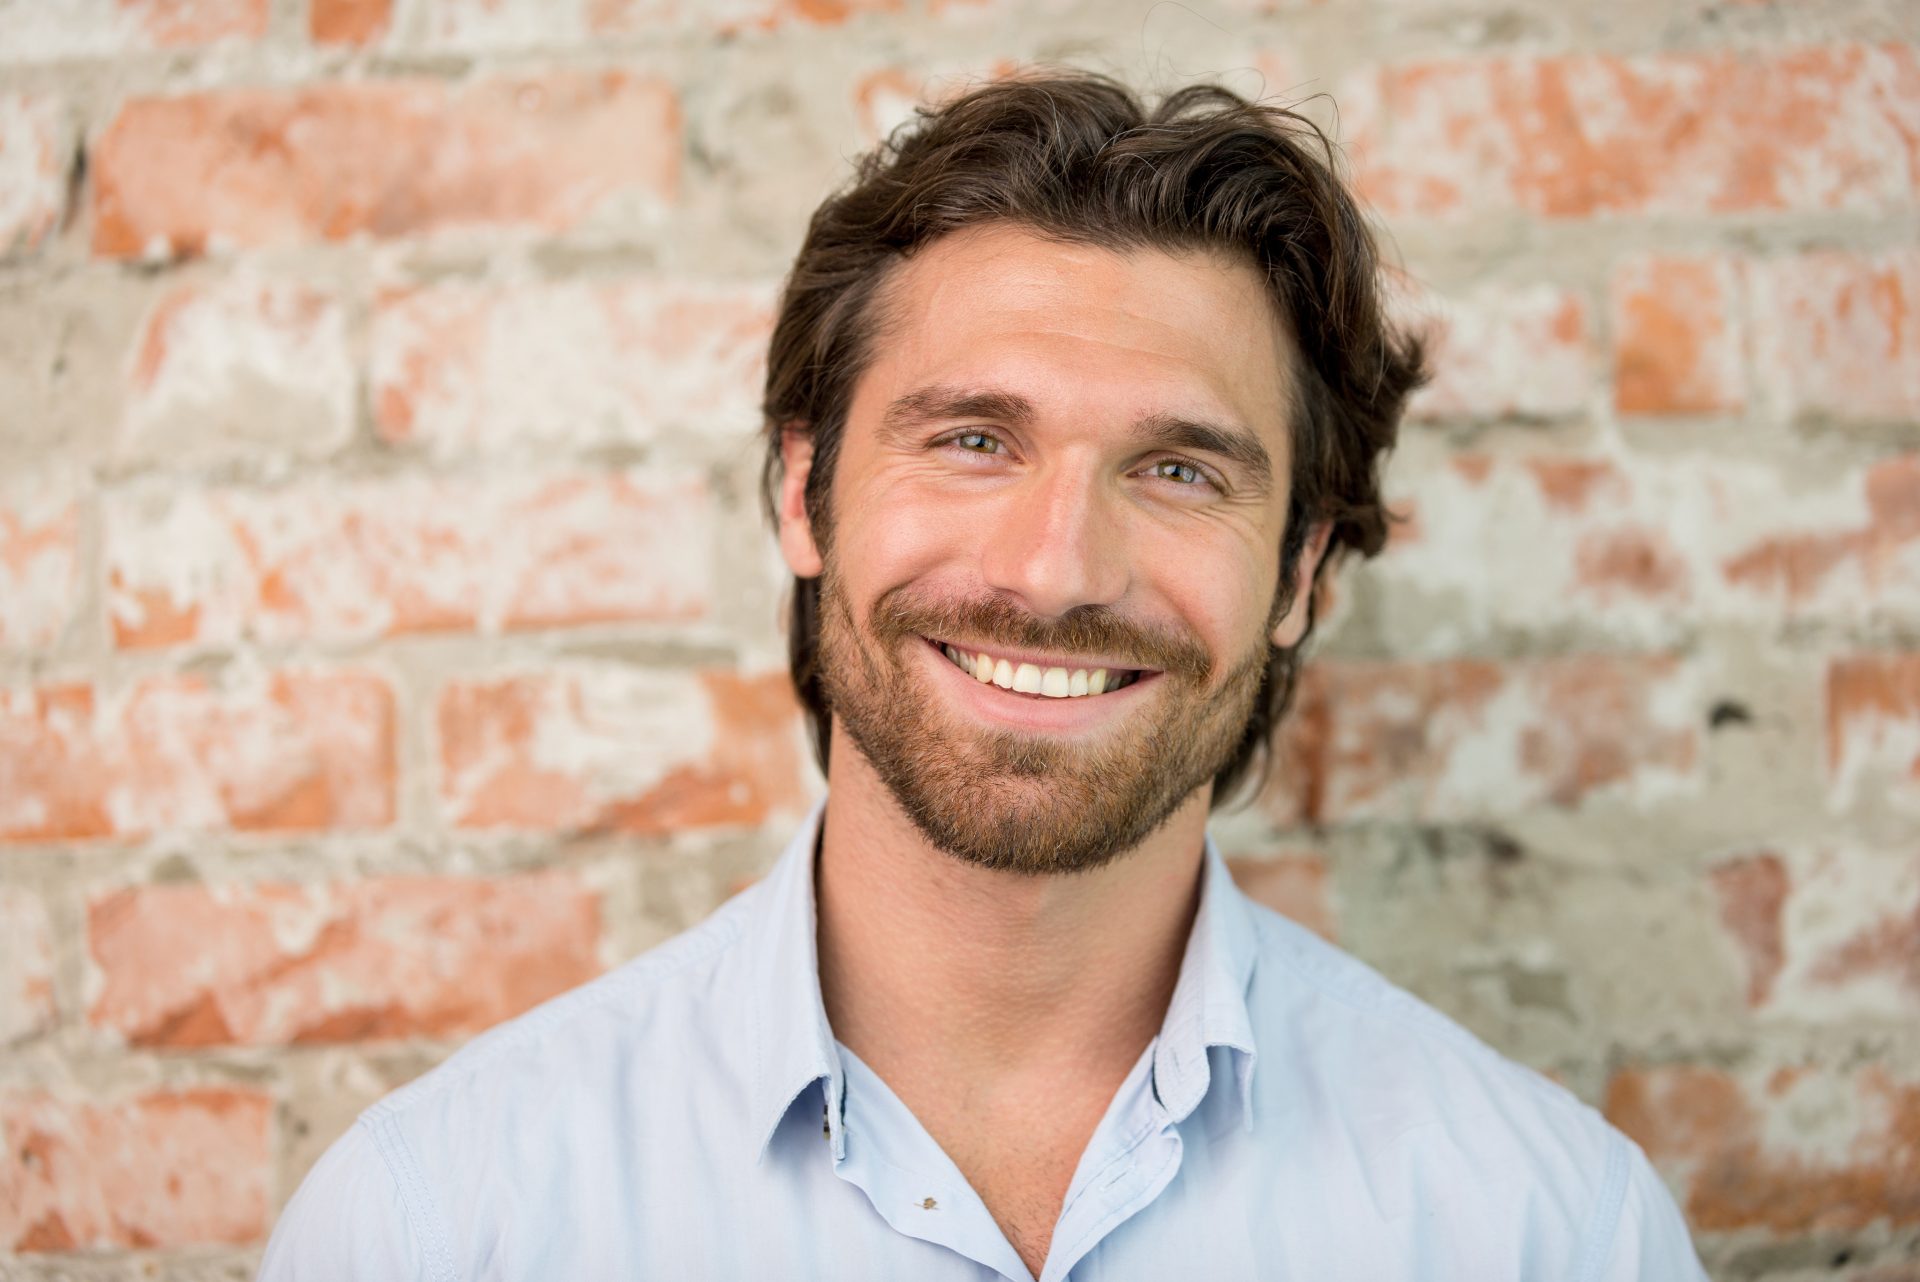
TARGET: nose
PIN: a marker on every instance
(1056, 541)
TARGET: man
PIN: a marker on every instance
(1070, 404)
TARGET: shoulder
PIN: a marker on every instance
(1392, 1053)
(517, 1100)
(1412, 1095)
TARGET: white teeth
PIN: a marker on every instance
(1031, 678)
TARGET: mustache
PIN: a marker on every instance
(997, 620)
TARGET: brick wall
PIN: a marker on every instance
(388, 635)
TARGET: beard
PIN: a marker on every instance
(1027, 802)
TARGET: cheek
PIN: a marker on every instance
(882, 542)
(1221, 588)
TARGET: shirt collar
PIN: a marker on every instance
(1209, 1005)
(792, 1045)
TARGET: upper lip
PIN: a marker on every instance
(1039, 660)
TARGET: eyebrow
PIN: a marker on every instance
(1235, 444)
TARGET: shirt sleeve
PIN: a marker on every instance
(347, 1221)
(1650, 1241)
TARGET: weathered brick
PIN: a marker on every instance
(1509, 352)
(240, 365)
(1826, 935)
(349, 22)
(435, 957)
(1792, 1151)
(1677, 336)
(612, 748)
(1838, 334)
(1581, 539)
(284, 751)
(462, 369)
(168, 1169)
(1850, 550)
(1589, 134)
(33, 171)
(623, 17)
(26, 966)
(1873, 724)
(518, 24)
(1467, 738)
(104, 28)
(1641, 547)
(39, 566)
(185, 174)
(1292, 883)
(1752, 890)
(337, 561)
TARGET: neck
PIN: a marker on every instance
(932, 966)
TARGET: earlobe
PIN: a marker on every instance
(1292, 628)
(796, 529)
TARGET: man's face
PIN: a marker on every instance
(1063, 472)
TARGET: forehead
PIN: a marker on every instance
(1138, 330)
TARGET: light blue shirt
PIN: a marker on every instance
(690, 1116)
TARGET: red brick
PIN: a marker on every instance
(39, 567)
(106, 28)
(168, 1169)
(222, 368)
(460, 368)
(33, 171)
(1575, 538)
(1792, 1151)
(350, 22)
(1826, 935)
(1643, 547)
(1464, 738)
(1838, 335)
(606, 748)
(1857, 550)
(1676, 337)
(1752, 889)
(1509, 352)
(1873, 723)
(1590, 134)
(26, 966)
(1292, 884)
(438, 957)
(627, 17)
(342, 561)
(393, 159)
(288, 751)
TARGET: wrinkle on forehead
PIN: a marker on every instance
(1181, 305)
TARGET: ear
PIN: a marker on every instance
(796, 530)
(1293, 625)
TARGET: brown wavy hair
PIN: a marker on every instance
(1077, 157)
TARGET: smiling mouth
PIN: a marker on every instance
(1035, 679)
